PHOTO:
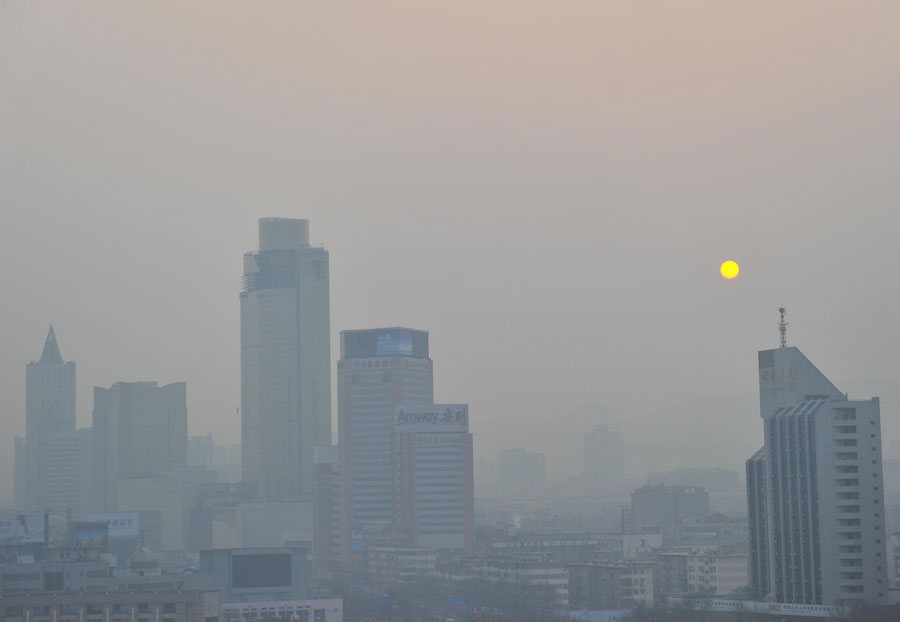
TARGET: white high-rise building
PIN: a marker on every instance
(285, 360)
(814, 492)
(379, 370)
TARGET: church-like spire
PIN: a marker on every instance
(51, 349)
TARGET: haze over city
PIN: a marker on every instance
(548, 189)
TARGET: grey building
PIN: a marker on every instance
(815, 495)
(69, 472)
(20, 489)
(139, 431)
(257, 574)
(667, 506)
(150, 604)
(285, 360)
(379, 370)
(49, 417)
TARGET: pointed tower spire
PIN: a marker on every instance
(51, 349)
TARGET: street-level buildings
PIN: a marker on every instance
(611, 585)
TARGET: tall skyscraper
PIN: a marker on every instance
(285, 360)
(139, 431)
(379, 370)
(49, 414)
(815, 495)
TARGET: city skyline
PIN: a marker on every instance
(550, 194)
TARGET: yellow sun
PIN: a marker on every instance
(730, 269)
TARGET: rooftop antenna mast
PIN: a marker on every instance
(782, 327)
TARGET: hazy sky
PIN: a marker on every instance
(547, 187)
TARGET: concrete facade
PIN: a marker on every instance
(239, 576)
(817, 486)
(379, 370)
(285, 360)
(434, 475)
(139, 431)
(49, 430)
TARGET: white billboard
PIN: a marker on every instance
(121, 524)
(22, 528)
(432, 418)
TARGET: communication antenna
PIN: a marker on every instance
(782, 327)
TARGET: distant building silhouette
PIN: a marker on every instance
(814, 491)
(51, 468)
(667, 506)
(285, 360)
(140, 431)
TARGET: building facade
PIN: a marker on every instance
(285, 360)
(249, 575)
(98, 605)
(49, 423)
(817, 485)
(313, 610)
(434, 476)
(667, 506)
(611, 585)
(394, 564)
(139, 431)
(715, 575)
(379, 370)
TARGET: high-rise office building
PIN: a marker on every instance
(379, 370)
(434, 476)
(139, 431)
(814, 491)
(285, 360)
(49, 415)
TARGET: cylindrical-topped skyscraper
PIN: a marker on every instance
(285, 360)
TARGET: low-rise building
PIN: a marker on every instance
(318, 610)
(536, 569)
(611, 585)
(393, 564)
(260, 574)
(133, 605)
(716, 575)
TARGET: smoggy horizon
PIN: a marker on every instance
(547, 190)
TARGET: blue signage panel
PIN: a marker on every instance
(394, 342)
